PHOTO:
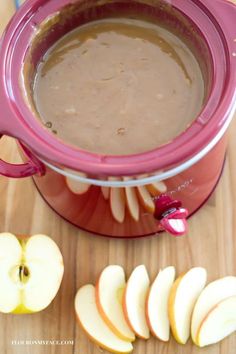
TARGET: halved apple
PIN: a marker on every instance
(93, 324)
(31, 272)
(213, 293)
(219, 323)
(146, 199)
(157, 188)
(183, 296)
(134, 301)
(109, 292)
(77, 187)
(157, 304)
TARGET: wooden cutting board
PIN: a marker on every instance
(211, 243)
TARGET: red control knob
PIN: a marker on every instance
(171, 215)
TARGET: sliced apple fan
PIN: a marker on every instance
(120, 199)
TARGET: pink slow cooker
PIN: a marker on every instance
(122, 196)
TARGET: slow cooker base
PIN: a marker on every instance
(145, 235)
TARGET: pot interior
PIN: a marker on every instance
(71, 16)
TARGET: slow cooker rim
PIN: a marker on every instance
(110, 165)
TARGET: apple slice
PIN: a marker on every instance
(31, 272)
(77, 187)
(134, 301)
(105, 192)
(213, 293)
(146, 199)
(117, 204)
(157, 304)
(157, 188)
(183, 296)
(109, 292)
(132, 202)
(93, 324)
(219, 323)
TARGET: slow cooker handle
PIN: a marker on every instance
(28, 169)
(11, 127)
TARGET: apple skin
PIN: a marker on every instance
(153, 332)
(76, 187)
(105, 192)
(145, 199)
(106, 319)
(97, 342)
(132, 203)
(117, 204)
(228, 304)
(124, 305)
(213, 294)
(196, 279)
(171, 307)
(130, 324)
(157, 189)
(94, 340)
(147, 318)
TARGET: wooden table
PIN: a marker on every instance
(211, 243)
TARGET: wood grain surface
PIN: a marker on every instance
(211, 243)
